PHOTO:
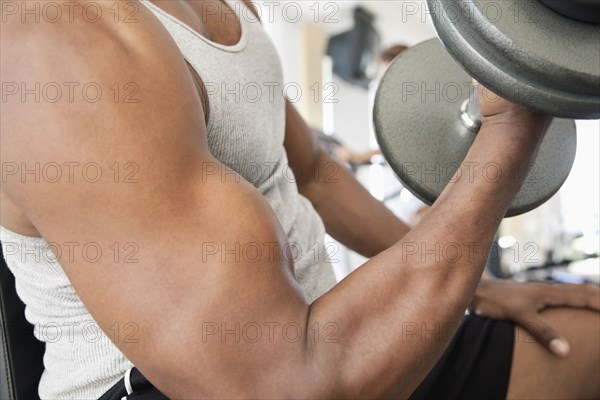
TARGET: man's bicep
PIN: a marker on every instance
(159, 233)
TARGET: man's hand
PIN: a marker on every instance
(495, 109)
(523, 302)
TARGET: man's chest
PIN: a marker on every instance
(213, 19)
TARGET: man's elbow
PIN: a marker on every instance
(278, 369)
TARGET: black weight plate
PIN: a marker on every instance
(581, 10)
(423, 139)
(525, 52)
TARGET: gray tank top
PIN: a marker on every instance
(245, 130)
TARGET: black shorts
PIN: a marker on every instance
(475, 366)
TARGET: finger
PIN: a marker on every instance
(568, 295)
(545, 334)
(594, 297)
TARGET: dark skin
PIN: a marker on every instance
(369, 233)
(371, 358)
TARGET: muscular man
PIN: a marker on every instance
(207, 273)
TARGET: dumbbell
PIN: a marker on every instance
(542, 54)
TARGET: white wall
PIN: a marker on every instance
(581, 192)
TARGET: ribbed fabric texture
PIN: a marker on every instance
(80, 360)
(245, 131)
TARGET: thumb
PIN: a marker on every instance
(546, 335)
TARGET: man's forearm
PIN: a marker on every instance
(365, 225)
(351, 215)
(400, 287)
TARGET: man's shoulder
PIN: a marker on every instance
(104, 70)
(79, 29)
